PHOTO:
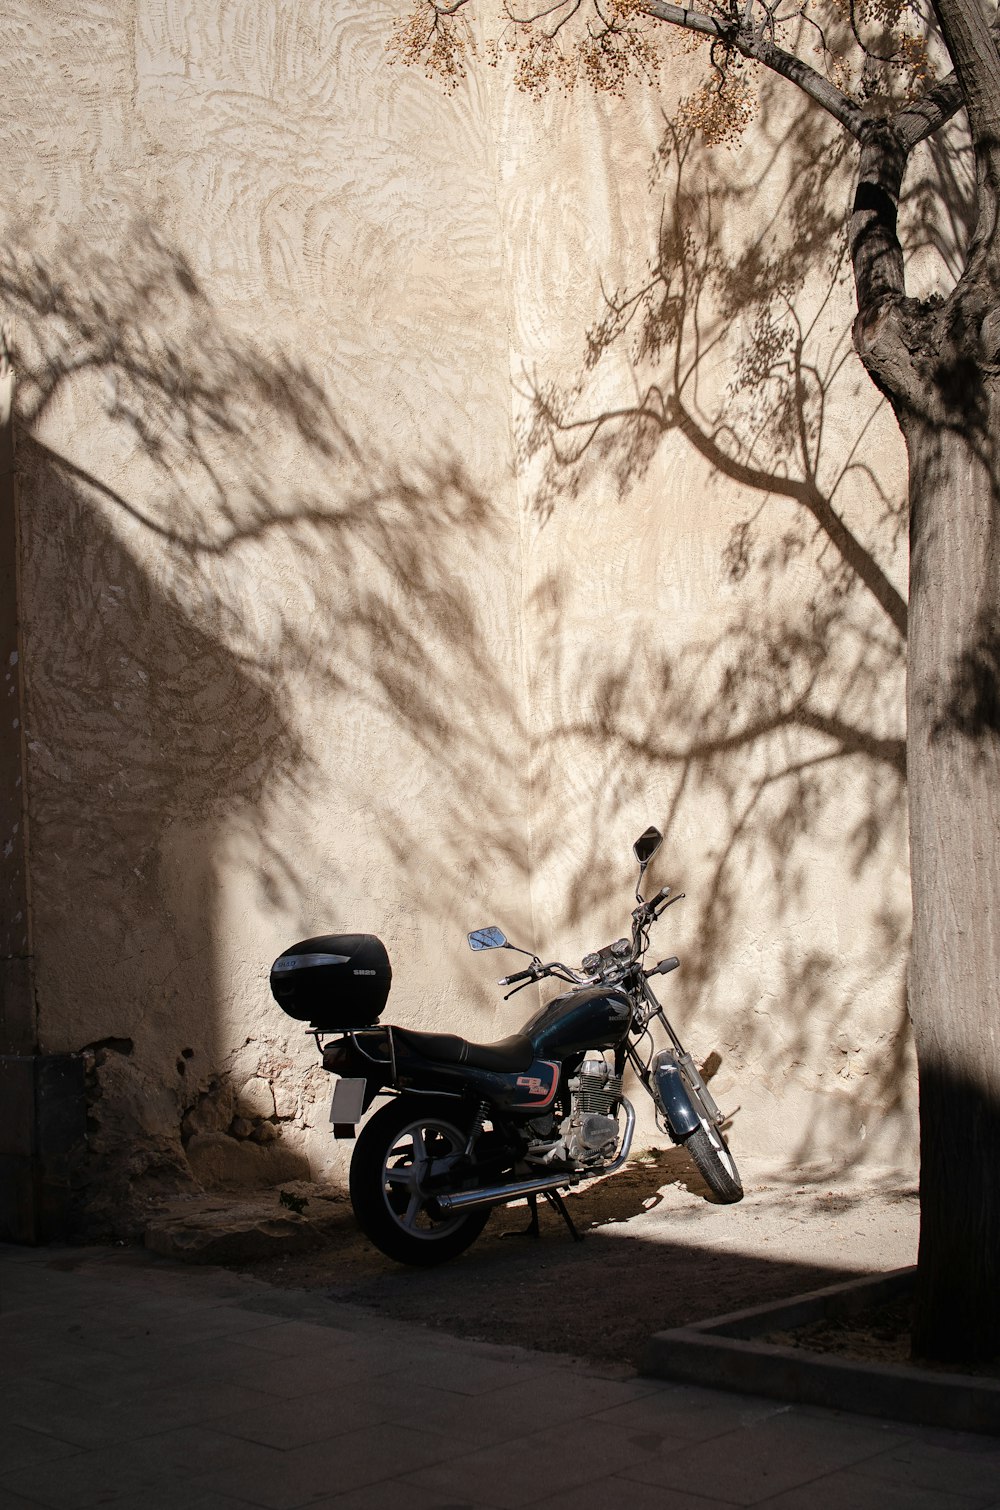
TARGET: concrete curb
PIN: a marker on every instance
(724, 1353)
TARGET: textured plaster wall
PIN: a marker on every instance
(323, 634)
(704, 649)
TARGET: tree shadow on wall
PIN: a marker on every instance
(150, 746)
(244, 628)
(781, 726)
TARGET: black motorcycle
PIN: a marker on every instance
(470, 1126)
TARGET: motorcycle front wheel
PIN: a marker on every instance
(707, 1145)
(402, 1159)
(716, 1165)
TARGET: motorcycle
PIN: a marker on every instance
(470, 1126)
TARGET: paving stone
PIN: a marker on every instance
(103, 1374)
(130, 1471)
(849, 1490)
(56, 1409)
(202, 1323)
(74, 1483)
(296, 1422)
(20, 1447)
(344, 1463)
(108, 1326)
(176, 1494)
(9, 1501)
(477, 1420)
(468, 1374)
(30, 1329)
(281, 1377)
(513, 1410)
(530, 1468)
(681, 1413)
(605, 1494)
(186, 1359)
(171, 1496)
(970, 1464)
(47, 1361)
(396, 1494)
(120, 1414)
(767, 1457)
(290, 1337)
(192, 1451)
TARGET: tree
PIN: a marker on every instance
(891, 77)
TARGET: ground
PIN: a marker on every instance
(657, 1253)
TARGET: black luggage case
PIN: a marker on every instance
(337, 982)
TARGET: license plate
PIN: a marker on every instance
(348, 1099)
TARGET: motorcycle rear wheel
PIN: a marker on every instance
(407, 1144)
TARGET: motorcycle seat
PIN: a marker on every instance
(506, 1056)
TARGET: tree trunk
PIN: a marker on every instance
(953, 767)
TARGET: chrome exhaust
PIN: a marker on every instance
(499, 1195)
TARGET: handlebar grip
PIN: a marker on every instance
(509, 980)
(665, 966)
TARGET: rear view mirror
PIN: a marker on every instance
(487, 938)
(646, 845)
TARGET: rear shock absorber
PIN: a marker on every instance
(482, 1112)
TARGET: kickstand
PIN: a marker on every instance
(531, 1230)
(554, 1198)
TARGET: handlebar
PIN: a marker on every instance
(536, 970)
(644, 914)
(652, 909)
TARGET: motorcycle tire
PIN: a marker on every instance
(395, 1153)
(716, 1165)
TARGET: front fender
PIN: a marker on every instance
(672, 1098)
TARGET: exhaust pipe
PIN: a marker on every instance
(499, 1195)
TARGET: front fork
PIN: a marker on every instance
(674, 1081)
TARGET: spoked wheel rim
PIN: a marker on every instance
(413, 1171)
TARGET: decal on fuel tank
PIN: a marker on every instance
(538, 1087)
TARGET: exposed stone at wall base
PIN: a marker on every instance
(235, 1229)
(216, 1159)
(149, 1139)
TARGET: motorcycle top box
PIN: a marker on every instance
(337, 982)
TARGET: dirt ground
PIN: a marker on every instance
(657, 1253)
(879, 1334)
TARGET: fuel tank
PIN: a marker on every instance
(589, 1017)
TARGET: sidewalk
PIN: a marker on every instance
(131, 1381)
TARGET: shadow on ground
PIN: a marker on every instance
(656, 1254)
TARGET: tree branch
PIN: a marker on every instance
(919, 120)
(876, 253)
(970, 34)
(971, 37)
(752, 44)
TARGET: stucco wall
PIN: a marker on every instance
(324, 634)
(715, 588)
